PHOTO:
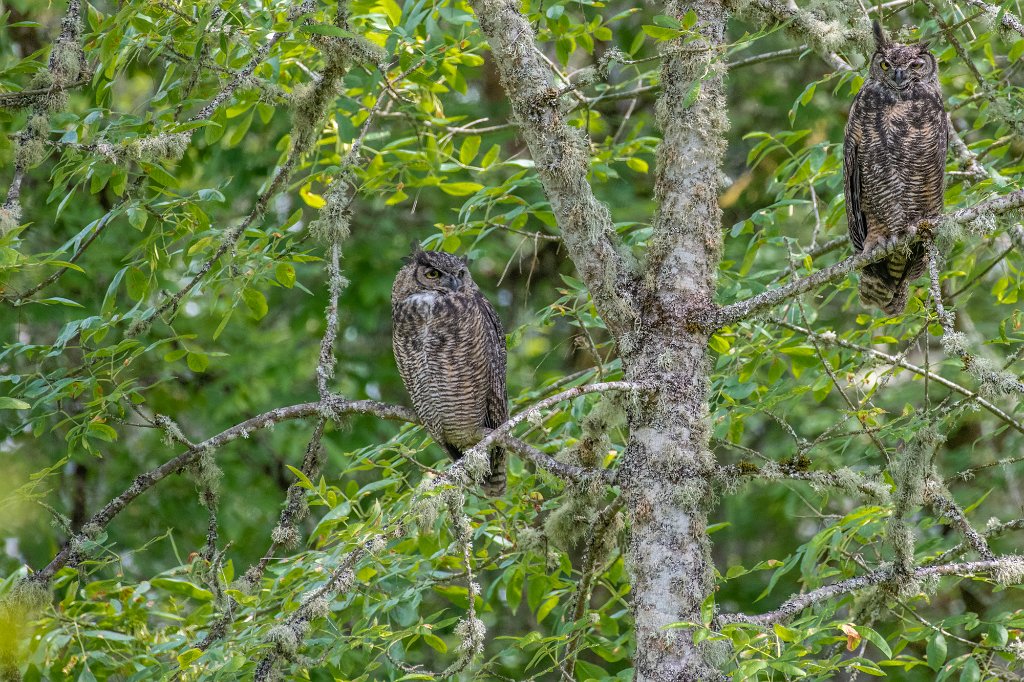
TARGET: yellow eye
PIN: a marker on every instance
(884, 65)
(432, 274)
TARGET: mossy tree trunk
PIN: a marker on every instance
(656, 311)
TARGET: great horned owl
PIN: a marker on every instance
(894, 161)
(450, 350)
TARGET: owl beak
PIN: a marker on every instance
(899, 77)
(452, 282)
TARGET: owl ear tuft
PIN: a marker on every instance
(924, 45)
(414, 250)
(881, 40)
(465, 260)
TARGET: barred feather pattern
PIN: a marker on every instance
(450, 349)
(894, 163)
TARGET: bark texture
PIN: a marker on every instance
(669, 550)
(562, 157)
(657, 312)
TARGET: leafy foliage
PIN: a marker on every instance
(162, 264)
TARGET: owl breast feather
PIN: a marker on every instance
(437, 341)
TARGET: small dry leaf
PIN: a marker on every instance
(852, 636)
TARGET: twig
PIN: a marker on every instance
(581, 599)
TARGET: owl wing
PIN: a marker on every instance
(856, 220)
(497, 396)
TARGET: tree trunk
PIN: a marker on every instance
(656, 313)
(668, 463)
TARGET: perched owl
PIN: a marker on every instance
(894, 161)
(450, 350)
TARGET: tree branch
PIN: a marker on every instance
(801, 24)
(336, 406)
(562, 158)
(499, 432)
(332, 407)
(1009, 19)
(899, 362)
(754, 305)
(1004, 568)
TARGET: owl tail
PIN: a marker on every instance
(881, 290)
(495, 480)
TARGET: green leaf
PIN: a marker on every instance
(588, 671)
(936, 651)
(137, 217)
(185, 659)
(786, 634)
(660, 33)
(469, 149)
(875, 638)
(197, 362)
(546, 607)
(435, 642)
(256, 302)
(181, 587)
(138, 283)
(491, 156)
(637, 164)
(304, 481)
(7, 403)
(971, 672)
(691, 95)
(285, 274)
(175, 355)
(707, 609)
(158, 174)
(102, 431)
(666, 21)
(461, 189)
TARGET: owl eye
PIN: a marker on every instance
(918, 65)
(885, 65)
(432, 274)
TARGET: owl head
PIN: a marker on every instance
(899, 67)
(431, 271)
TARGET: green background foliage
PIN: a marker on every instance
(442, 166)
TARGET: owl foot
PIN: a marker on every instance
(899, 236)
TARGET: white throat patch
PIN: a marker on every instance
(423, 301)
